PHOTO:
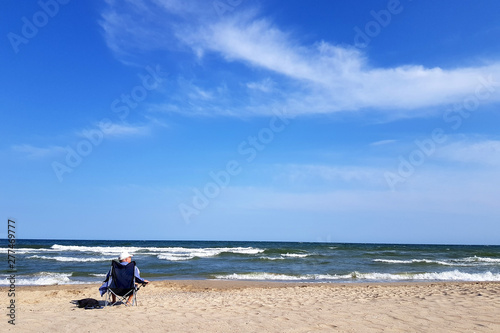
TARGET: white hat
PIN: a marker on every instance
(124, 255)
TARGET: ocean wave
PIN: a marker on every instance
(414, 261)
(271, 258)
(280, 277)
(469, 261)
(168, 253)
(42, 278)
(176, 256)
(295, 255)
(70, 258)
(98, 275)
(105, 250)
(286, 256)
(181, 253)
(261, 277)
(356, 276)
(482, 259)
(25, 250)
(454, 275)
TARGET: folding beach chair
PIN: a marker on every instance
(121, 283)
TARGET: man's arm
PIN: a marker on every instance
(138, 276)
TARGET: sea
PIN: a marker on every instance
(50, 262)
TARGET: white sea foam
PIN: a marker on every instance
(469, 261)
(454, 275)
(175, 256)
(415, 261)
(105, 250)
(24, 250)
(260, 276)
(181, 253)
(42, 278)
(286, 256)
(443, 276)
(98, 275)
(482, 259)
(272, 258)
(70, 258)
(295, 255)
(280, 277)
(168, 253)
(458, 276)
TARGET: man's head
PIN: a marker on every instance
(125, 256)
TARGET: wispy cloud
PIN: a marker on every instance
(133, 27)
(108, 129)
(328, 175)
(33, 152)
(266, 85)
(313, 78)
(337, 75)
(123, 130)
(100, 131)
(382, 142)
(484, 152)
(195, 92)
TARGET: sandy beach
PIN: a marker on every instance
(240, 306)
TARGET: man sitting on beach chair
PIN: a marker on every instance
(122, 280)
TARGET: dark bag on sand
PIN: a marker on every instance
(88, 303)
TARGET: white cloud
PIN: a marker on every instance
(265, 85)
(193, 91)
(327, 175)
(382, 142)
(485, 152)
(38, 152)
(123, 130)
(341, 76)
(101, 131)
(318, 78)
(133, 27)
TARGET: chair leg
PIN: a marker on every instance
(109, 299)
(106, 301)
(131, 300)
(128, 299)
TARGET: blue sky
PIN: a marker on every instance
(341, 121)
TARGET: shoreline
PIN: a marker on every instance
(240, 284)
(267, 306)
